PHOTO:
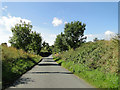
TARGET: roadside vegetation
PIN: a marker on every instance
(46, 49)
(15, 63)
(26, 39)
(96, 62)
(72, 37)
(25, 51)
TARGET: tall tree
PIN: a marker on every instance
(60, 43)
(24, 38)
(21, 35)
(36, 42)
(74, 34)
(45, 45)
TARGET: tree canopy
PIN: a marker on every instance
(24, 38)
(60, 43)
(46, 47)
(74, 33)
(72, 37)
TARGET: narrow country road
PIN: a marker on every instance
(48, 74)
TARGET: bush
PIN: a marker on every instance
(96, 62)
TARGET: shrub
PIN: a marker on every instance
(96, 62)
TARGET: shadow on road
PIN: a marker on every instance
(47, 58)
(50, 72)
(22, 81)
(48, 61)
(51, 64)
(45, 54)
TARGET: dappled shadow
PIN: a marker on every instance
(47, 58)
(48, 61)
(22, 81)
(15, 76)
(45, 54)
(57, 60)
(50, 64)
(51, 72)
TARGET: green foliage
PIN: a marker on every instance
(24, 38)
(96, 62)
(60, 44)
(44, 44)
(4, 44)
(73, 37)
(21, 35)
(35, 44)
(46, 47)
(95, 39)
(51, 48)
(74, 33)
(15, 63)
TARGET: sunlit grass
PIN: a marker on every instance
(96, 62)
(15, 63)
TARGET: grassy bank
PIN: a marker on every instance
(96, 62)
(15, 63)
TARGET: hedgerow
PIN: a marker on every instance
(96, 62)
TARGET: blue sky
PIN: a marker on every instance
(49, 18)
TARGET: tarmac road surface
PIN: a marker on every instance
(48, 74)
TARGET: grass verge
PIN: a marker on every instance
(95, 77)
(15, 63)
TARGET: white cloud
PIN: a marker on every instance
(90, 37)
(6, 22)
(109, 33)
(107, 36)
(65, 22)
(56, 21)
(49, 38)
(46, 35)
(4, 8)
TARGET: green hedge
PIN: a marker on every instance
(96, 62)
